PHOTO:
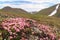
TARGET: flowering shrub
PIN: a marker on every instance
(26, 29)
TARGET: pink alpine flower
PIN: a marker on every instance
(18, 27)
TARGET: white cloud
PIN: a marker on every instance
(40, 4)
(40, 1)
(27, 7)
(7, 0)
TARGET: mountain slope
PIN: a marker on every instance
(58, 12)
(8, 12)
(49, 10)
(12, 12)
(7, 8)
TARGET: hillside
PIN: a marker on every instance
(46, 11)
(49, 10)
(40, 17)
(58, 12)
(7, 12)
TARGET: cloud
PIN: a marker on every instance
(29, 5)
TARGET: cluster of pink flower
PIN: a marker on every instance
(15, 25)
(47, 30)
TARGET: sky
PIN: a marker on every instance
(28, 5)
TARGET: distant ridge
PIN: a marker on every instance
(12, 12)
(7, 8)
(49, 10)
(54, 11)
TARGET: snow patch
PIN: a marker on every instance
(54, 12)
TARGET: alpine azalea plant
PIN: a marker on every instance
(26, 29)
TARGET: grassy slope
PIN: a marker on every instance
(43, 19)
(46, 11)
(51, 21)
(58, 13)
(12, 12)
